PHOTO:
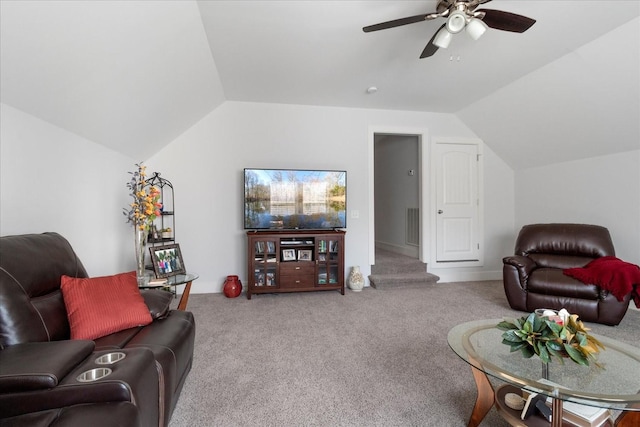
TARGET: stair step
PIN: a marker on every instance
(391, 263)
(390, 281)
(418, 268)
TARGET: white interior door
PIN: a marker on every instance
(457, 203)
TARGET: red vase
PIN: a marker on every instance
(232, 287)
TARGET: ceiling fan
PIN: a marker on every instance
(460, 14)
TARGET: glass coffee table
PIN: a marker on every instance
(615, 386)
(178, 279)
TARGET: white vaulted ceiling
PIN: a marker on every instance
(131, 75)
(134, 75)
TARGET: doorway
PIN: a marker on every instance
(429, 175)
(397, 186)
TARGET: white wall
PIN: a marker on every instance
(53, 180)
(205, 165)
(499, 212)
(601, 190)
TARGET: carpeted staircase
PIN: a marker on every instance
(393, 270)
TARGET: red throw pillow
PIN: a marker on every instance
(100, 306)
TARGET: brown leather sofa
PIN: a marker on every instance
(40, 365)
(110, 414)
(533, 277)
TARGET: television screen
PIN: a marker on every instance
(291, 199)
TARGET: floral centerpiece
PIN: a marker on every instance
(145, 206)
(561, 336)
(142, 212)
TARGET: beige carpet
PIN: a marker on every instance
(374, 358)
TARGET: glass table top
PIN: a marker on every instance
(178, 279)
(615, 385)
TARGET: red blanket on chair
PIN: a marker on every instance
(610, 273)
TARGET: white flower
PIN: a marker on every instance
(564, 315)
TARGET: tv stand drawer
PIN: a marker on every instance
(297, 268)
(297, 281)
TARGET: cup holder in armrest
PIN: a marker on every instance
(110, 358)
(93, 375)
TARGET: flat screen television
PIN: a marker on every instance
(294, 199)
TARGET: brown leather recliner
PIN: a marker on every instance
(40, 365)
(533, 277)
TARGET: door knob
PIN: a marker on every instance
(439, 211)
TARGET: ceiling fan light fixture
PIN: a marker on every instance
(476, 28)
(443, 38)
(456, 22)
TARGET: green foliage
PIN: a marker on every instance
(538, 335)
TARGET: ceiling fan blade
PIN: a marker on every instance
(472, 4)
(506, 21)
(444, 5)
(431, 48)
(397, 23)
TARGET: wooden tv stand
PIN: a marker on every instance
(295, 261)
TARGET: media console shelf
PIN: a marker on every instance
(295, 261)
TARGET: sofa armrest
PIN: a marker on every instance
(158, 301)
(522, 264)
(40, 365)
(133, 379)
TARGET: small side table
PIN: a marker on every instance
(178, 279)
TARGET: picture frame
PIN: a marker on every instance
(167, 260)
(259, 279)
(288, 254)
(304, 255)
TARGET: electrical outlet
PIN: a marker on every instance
(355, 214)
